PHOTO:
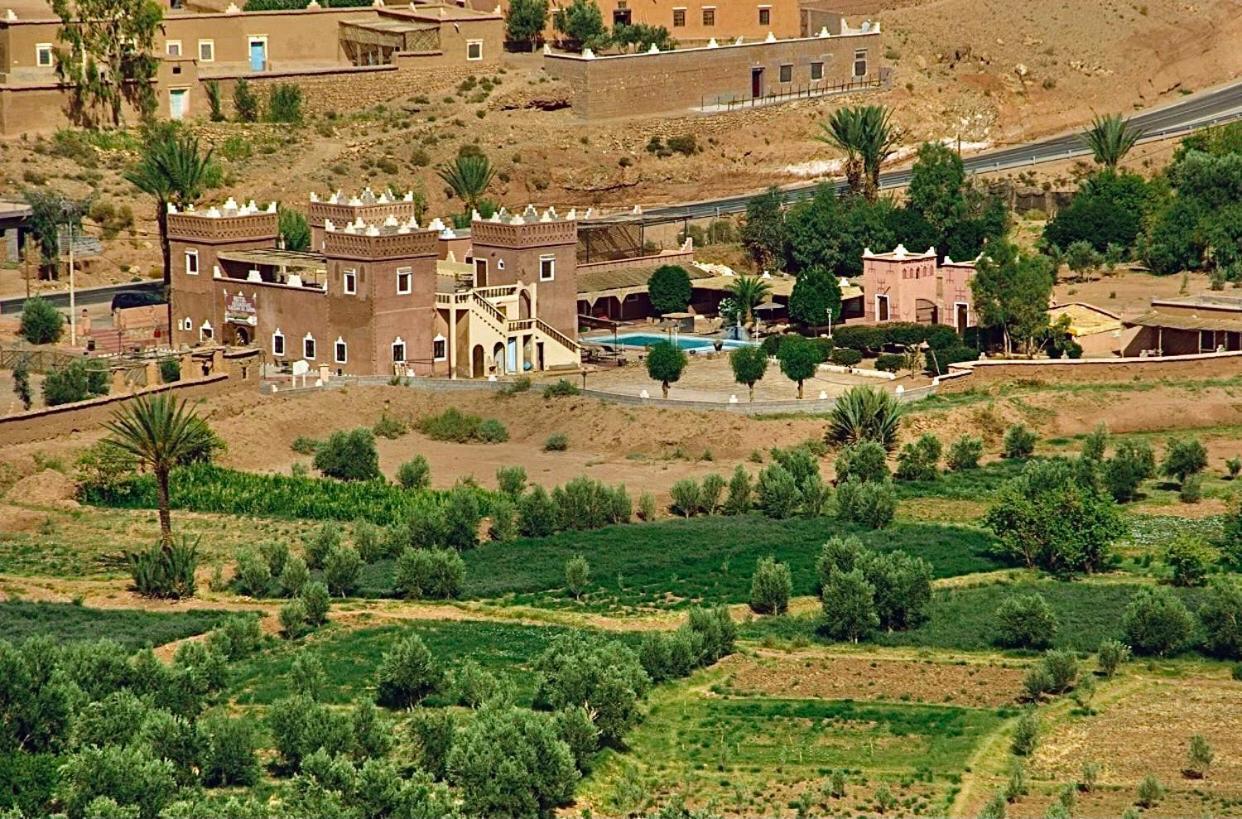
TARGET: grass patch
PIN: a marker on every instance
(66, 622)
(750, 756)
(968, 484)
(679, 562)
(351, 657)
(964, 619)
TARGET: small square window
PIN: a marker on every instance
(191, 263)
(765, 16)
(817, 71)
(709, 16)
(679, 18)
(474, 50)
(439, 349)
(173, 48)
(308, 347)
(351, 282)
(206, 51)
(340, 352)
(206, 333)
(547, 268)
(405, 278)
(43, 55)
(786, 73)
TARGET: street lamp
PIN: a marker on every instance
(70, 212)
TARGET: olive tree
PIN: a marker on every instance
(665, 363)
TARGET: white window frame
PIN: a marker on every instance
(857, 59)
(187, 324)
(408, 273)
(169, 45)
(314, 347)
(49, 50)
(683, 11)
(349, 281)
(211, 51)
(206, 331)
(185, 94)
(278, 337)
(551, 268)
(340, 351)
(191, 255)
(437, 342)
(500, 264)
(703, 13)
(472, 44)
(398, 342)
(759, 15)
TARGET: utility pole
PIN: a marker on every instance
(73, 309)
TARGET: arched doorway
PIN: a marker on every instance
(476, 362)
(498, 358)
(241, 336)
(524, 304)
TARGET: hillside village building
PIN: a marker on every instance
(342, 58)
(380, 294)
(905, 286)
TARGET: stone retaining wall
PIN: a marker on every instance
(1205, 365)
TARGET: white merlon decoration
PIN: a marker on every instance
(383, 198)
(172, 208)
(230, 204)
(530, 212)
(712, 43)
(436, 224)
(213, 212)
(409, 196)
(588, 213)
(588, 54)
(771, 38)
(254, 276)
(355, 202)
(823, 395)
(391, 221)
(931, 251)
(547, 50)
(232, 9)
(475, 216)
(10, 15)
(378, 3)
(843, 282)
(271, 207)
(517, 220)
(495, 217)
(643, 394)
(372, 230)
(448, 233)
(329, 226)
(294, 280)
(739, 40)
(899, 252)
(823, 32)
(314, 197)
(412, 224)
(655, 49)
(948, 259)
(867, 254)
(359, 224)
(732, 399)
(572, 215)
(766, 275)
(189, 208)
(313, 4)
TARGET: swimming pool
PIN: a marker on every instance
(685, 342)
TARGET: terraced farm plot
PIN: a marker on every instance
(757, 756)
(64, 622)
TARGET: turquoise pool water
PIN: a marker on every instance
(683, 341)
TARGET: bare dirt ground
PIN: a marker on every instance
(810, 674)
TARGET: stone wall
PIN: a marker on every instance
(985, 373)
(628, 84)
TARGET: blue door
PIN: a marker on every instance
(258, 55)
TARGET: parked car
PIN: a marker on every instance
(136, 298)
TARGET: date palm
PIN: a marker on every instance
(867, 136)
(174, 171)
(748, 292)
(468, 177)
(160, 432)
(1110, 138)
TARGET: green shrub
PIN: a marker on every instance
(556, 442)
(562, 388)
(871, 504)
(865, 414)
(294, 576)
(605, 676)
(964, 453)
(1110, 656)
(1150, 792)
(845, 357)
(165, 572)
(1191, 490)
(920, 459)
(1191, 560)
(1025, 621)
(669, 289)
(245, 102)
(122, 776)
(170, 370)
(340, 570)
(415, 473)
(41, 323)
(890, 362)
(228, 752)
(435, 574)
(305, 445)
(1132, 463)
(369, 542)
(770, 587)
(388, 427)
(511, 480)
(492, 431)
(583, 503)
(1183, 457)
(849, 605)
(315, 602)
(215, 100)
(78, 380)
(537, 513)
(293, 619)
(252, 574)
(1019, 442)
(1221, 615)
(349, 456)
(1026, 734)
(451, 425)
(710, 493)
(865, 462)
(237, 637)
(577, 575)
(284, 103)
(685, 496)
(407, 674)
(1156, 622)
(325, 539)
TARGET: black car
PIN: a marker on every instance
(136, 298)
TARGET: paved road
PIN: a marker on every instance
(84, 297)
(1217, 105)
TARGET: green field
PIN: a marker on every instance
(753, 756)
(963, 619)
(65, 622)
(677, 562)
(351, 658)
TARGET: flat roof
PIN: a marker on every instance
(1185, 321)
(1211, 301)
(274, 257)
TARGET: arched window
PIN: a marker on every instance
(340, 351)
(278, 343)
(398, 350)
(308, 347)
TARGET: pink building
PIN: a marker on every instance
(905, 286)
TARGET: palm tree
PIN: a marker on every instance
(1110, 138)
(867, 135)
(468, 177)
(160, 432)
(748, 292)
(174, 172)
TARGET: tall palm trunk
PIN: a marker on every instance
(161, 224)
(161, 489)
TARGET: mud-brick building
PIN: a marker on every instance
(1206, 323)
(904, 286)
(375, 297)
